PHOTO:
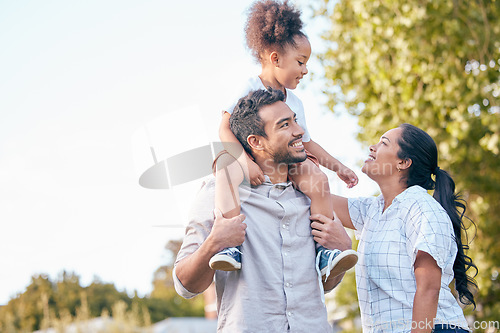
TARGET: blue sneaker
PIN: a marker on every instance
(335, 262)
(226, 260)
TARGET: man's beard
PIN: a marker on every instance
(283, 156)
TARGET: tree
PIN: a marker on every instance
(46, 302)
(25, 312)
(434, 64)
(103, 296)
(164, 300)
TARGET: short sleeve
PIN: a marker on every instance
(297, 106)
(231, 107)
(180, 289)
(249, 85)
(429, 229)
(359, 211)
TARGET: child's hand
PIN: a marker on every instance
(348, 176)
(255, 174)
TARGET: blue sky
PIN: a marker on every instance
(79, 83)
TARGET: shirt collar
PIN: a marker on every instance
(403, 195)
(409, 191)
(267, 186)
(268, 181)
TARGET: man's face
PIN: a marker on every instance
(284, 135)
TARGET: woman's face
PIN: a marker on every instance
(383, 160)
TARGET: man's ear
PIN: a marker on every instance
(255, 142)
(404, 164)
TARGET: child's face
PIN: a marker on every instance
(292, 63)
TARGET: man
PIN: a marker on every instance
(277, 288)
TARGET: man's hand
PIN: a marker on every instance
(194, 271)
(330, 233)
(227, 232)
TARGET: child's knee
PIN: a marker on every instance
(229, 170)
(313, 184)
(225, 161)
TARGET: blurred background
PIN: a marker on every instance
(86, 89)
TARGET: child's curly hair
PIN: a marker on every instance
(272, 24)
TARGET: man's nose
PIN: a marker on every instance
(298, 131)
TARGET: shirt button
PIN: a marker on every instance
(286, 254)
(287, 284)
(289, 314)
(284, 226)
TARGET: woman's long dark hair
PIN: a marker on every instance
(418, 146)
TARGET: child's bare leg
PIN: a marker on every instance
(314, 183)
(228, 178)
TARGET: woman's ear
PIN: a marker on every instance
(255, 142)
(404, 164)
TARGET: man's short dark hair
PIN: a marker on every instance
(245, 119)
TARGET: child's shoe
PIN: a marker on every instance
(335, 262)
(226, 260)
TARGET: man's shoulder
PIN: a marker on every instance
(206, 187)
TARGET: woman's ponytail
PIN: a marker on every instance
(455, 206)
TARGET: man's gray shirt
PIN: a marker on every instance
(277, 288)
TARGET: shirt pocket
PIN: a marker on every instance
(303, 229)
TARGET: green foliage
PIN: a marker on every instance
(164, 300)
(434, 64)
(25, 312)
(346, 300)
(45, 299)
(47, 303)
(102, 296)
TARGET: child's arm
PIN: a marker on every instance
(330, 162)
(234, 147)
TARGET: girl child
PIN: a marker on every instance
(274, 35)
(410, 243)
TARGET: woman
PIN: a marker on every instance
(410, 244)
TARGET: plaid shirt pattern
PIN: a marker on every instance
(388, 245)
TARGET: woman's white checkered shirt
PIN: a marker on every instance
(388, 245)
